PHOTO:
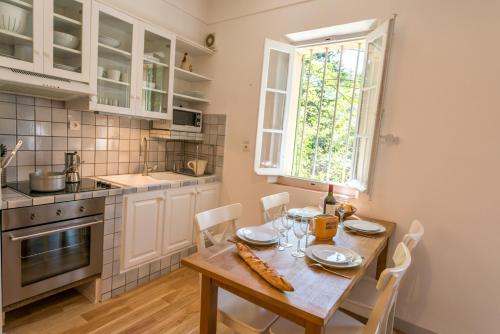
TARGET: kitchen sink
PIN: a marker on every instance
(137, 180)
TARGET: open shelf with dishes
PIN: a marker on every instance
(191, 81)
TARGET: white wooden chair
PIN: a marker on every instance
(379, 319)
(234, 312)
(270, 202)
(364, 295)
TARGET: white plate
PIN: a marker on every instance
(258, 233)
(333, 256)
(356, 258)
(364, 226)
(307, 212)
(241, 234)
(109, 41)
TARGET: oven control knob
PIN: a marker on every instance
(59, 212)
(32, 217)
(82, 209)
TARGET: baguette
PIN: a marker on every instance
(263, 269)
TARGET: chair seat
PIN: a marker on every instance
(362, 297)
(341, 323)
(243, 316)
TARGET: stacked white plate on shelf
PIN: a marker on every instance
(364, 226)
(334, 256)
(258, 235)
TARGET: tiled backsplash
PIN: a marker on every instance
(108, 144)
(212, 147)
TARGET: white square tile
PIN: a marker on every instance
(87, 169)
(101, 132)
(101, 120)
(26, 158)
(43, 114)
(88, 118)
(124, 133)
(39, 101)
(75, 115)
(25, 112)
(43, 143)
(113, 132)
(101, 169)
(8, 126)
(113, 144)
(112, 168)
(23, 172)
(113, 156)
(124, 145)
(25, 100)
(74, 144)
(59, 115)
(43, 128)
(8, 140)
(7, 110)
(43, 158)
(124, 156)
(88, 144)
(59, 143)
(88, 131)
(101, 157)
(113, 121)
(58, 157)
(101, 144)
(59, 129)
(88, 157)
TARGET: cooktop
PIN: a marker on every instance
(84, 185)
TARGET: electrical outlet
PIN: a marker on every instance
(74, 125)
(246, 146)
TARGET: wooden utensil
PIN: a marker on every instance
(263, 269)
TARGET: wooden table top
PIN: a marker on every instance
(318, 294)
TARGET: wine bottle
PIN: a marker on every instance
(330, 202)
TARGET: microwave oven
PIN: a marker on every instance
(187, 120)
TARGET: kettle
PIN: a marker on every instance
(72, 163)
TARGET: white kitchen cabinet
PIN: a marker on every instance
(114, 70)
(30, 43)
(142, 229)
(179, 216)
(61, 59)
(207, 197)
(155, 83)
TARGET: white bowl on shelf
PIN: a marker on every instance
(109, 41)
(66, 40)
(13, 18)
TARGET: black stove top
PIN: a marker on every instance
(86, 184)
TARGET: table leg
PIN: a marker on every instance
(208, 311)
(314, 329)
(382, 260)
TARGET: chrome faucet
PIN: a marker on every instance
(146, 169)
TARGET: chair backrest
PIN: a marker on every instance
(207, 220)
(416, 232)
(388, 285)
(267, 203)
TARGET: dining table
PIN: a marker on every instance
(317, 293)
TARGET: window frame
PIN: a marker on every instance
(349, 188)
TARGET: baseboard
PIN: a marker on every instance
(408, 328)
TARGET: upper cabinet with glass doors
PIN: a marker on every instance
(21, 34)
(154, 87)
(46, 36)
(67, 39)
(114, 70)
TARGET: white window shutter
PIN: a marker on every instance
(275, 92)
(370, 110)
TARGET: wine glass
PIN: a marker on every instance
(299, 229)
(287, 223)
(278, 227)
(309, 227)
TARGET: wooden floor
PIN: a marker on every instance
(167, 305)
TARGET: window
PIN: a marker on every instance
(319, 110)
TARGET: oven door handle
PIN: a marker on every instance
(62, 229)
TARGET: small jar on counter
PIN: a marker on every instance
(325, 227)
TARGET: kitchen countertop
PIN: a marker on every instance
(12, 199)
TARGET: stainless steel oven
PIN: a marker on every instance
(49, 246)
(186, 120)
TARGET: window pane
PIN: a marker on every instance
(278, 70)
(274, 110)
(271, 148)
(67, 49)
(16, 37)
(327, 112)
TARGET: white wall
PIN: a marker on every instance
(181, 17)
(441, 101)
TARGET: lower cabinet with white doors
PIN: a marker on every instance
(159, 223)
